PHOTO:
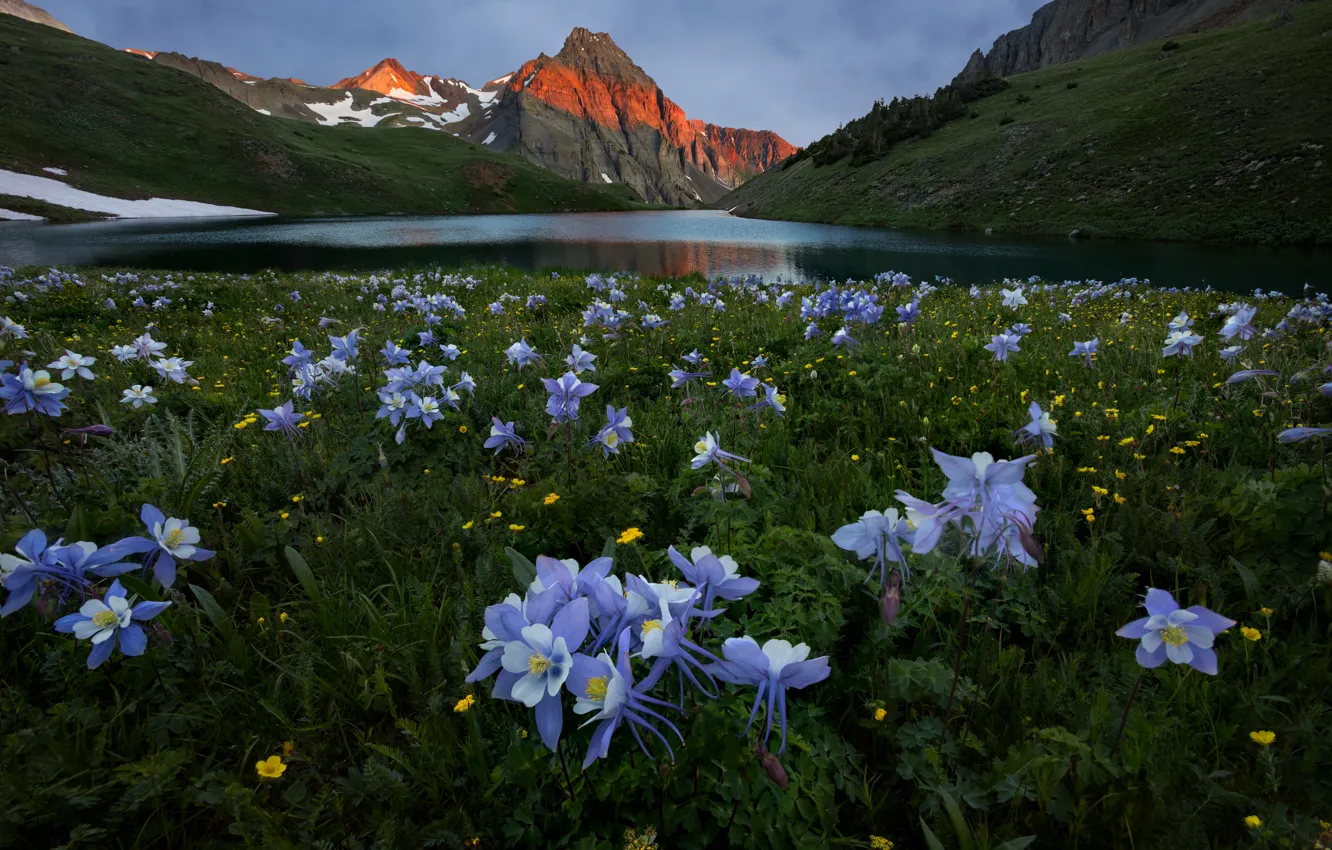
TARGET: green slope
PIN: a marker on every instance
(129, 128)
(1226, 136)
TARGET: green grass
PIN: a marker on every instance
(1223, 138)
(344, 605)
(133, 129)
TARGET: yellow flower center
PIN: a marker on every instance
(537, 664)
(1174, 636)
(700, 447)
(105, 619)
(612, 439)
(651, 625)
(38, 383)
(596, 688)
(175, 537)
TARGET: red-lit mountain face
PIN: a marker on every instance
(590, 113)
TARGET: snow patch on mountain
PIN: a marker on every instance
(55, 192)
(344, 112)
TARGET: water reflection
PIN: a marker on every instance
(674, 243)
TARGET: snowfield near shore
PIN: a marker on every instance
(56, 192)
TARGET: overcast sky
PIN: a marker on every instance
(794, 66)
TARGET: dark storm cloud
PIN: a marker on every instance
(794, 66)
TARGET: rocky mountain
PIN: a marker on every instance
(458, 107)
(29, 12)
(1067, 30)
(588, 113)
(297, 100)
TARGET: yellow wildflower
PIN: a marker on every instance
(880, 714)
(1262, 738)
(271, 768)
(551, 498)
(629, 535)
(1251, 634)
(1253, 821)
(464, 704)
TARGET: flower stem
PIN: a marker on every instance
(1124, 720)
(961, 643)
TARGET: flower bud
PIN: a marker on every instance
(774, 769)
(1325, 572)
(92, 430)
(891, 602)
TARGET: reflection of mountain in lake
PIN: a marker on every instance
(656, 243)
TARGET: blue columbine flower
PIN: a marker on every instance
(772, 400)
(424, 408)
(706, 451)
(521, 354)
(283, 418)
(109, 621)
(29, 390)
(1041, 427)
(774, 668)
(1180, 342)
(1002, 345)
(1298, 435)
(536, 665)
(907, 314)
(393, 354)
(565, 394)
(1184, 636)
(879, 536)
(392, 405)
(715, 576)
(1249, 374)
(1085, 350)
(171, 539)
(607, 688)
(740, 386)
(614, 432)
(1240, 324)
(985, 499)
(344, 347)
(680, 378)
(503, 434)
(580, 361)
(693, 358)
(843, 338)
(299, 356)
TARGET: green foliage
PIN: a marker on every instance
(345, 604)
(871, 137)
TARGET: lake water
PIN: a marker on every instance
(673, 242)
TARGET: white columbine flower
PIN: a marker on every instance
(177, 537)
(71, 364)
(138, 395)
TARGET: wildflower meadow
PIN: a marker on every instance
(482, 558)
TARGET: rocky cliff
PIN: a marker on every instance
(591, 114)
(1067, 30)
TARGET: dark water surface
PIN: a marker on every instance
(674, 242)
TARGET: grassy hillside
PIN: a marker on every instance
(1220, 136)
(126, 127)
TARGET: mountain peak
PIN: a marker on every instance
(29, 12)
(387, 76)
(597, 52)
